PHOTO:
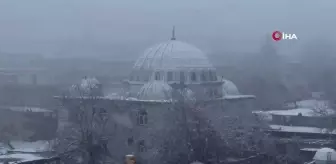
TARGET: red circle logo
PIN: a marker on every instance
(276, 35)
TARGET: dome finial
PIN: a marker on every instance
(173, 34)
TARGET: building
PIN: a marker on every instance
(308, 125)
(147, 108)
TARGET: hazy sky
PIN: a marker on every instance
(45, 26)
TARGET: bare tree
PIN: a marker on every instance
(85, 140)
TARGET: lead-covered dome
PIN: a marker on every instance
(155, 90)
(171, 55)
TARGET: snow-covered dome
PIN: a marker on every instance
(171, 55)
(89, 83)
(87, 87)
(325, 156)
(155, 90)
(228, 87)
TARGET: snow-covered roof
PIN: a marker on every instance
(301, 129)
(20, 157)
(238, 96)
(325, 154)
(309, 149)
(21, 151)
(155, 90)
(312, 103)
(303, 111)
(172, 54)
(37, 146)
(25, 108)
(27, 147)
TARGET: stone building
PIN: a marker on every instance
(147, 109)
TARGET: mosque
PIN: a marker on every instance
(145, 110)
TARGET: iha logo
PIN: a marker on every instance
(277, 36)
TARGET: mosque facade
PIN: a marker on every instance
(145, 111)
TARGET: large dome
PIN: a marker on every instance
(171, 55)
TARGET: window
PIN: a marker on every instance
(193, 76)
(142, 118)
(146, 78)
(204, 76)
(211, 77)
(169, 76)
(157, 76)
(215, 76)
(141, 146)
(215, 92)
(130, 141)
(182, 77)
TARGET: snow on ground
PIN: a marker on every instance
(300, 129)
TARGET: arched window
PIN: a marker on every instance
(157, 76)
(130, 141)
(142, 118)
(141, 146)
(169, 76)
(182, 77)
(193, 76)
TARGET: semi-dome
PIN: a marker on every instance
(171, 55)
(155, 90)
(325, 155)
(228, 87)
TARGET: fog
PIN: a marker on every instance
(50, 27)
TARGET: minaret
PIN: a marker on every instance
(173, 34)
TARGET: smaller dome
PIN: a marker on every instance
(325, 155)
(228, 87)
(89, 83)
(155, 90)
(87, 87)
